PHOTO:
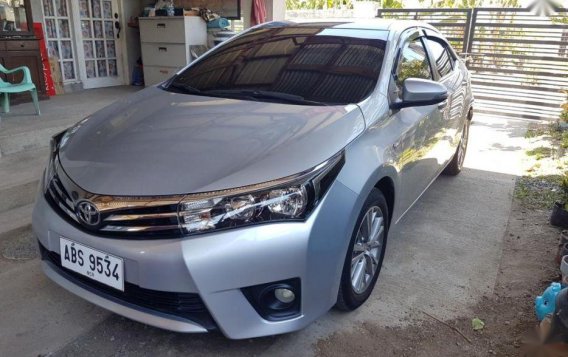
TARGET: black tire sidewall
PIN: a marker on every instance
(351, 299)
(454, 167)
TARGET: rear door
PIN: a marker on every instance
(418, 160)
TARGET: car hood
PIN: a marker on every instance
(162, 143)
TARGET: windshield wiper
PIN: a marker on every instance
(262, 94)
(184, 88)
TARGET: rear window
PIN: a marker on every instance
(319, 64)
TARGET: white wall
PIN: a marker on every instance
(275, 10)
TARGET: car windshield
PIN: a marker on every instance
(297, 64)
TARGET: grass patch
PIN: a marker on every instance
(550, 131)
(538, 192)
(564, 140)
(540, 152)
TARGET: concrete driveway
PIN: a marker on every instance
(442, 258)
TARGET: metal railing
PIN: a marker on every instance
(453, 23)
(518, 60)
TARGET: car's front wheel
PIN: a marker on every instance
(365, 253)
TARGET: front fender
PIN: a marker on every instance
(369, 159)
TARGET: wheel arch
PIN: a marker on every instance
(386, 186)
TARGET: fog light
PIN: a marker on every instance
(285, 296)
(276, 301)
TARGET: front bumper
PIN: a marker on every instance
(216, 266)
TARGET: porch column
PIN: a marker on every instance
(275, 11)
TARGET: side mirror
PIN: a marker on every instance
(418, 92)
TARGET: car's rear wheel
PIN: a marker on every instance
(455, 166)
(365, 253)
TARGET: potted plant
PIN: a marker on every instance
(559, 216)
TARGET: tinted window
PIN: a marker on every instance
(442, 57)
(413, 62)
(333, 66)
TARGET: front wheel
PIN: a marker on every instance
(365, 253)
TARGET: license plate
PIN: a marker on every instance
(100, 266)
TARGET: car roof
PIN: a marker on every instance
(364, 24)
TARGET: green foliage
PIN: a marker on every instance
(392, 4)
(317, 4)
(468, 4)
(564, 114)
(413, 69)
(540, 152)
(539, 192)
(564, 184)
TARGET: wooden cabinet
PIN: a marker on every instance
(166, 44)
(23, 52)
(20, 47)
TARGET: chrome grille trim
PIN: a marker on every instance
(132, 217)
(123, 217)
(138, 228)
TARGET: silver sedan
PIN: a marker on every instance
(255, 189)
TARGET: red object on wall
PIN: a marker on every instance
(49, 85)
(258, 13)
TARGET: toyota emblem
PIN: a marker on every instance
(88, 213)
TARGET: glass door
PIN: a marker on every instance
(98, 43)
(59, 36)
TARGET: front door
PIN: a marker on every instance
(417, 155)
(98, 42)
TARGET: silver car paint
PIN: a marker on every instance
(212, 143)
(374, 139)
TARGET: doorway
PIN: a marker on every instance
(86, 37)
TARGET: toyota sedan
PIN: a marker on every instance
(255, 189)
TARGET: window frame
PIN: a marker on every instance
(406, 37)
(447, 47)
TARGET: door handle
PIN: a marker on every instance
(117, 25)
(443, 104)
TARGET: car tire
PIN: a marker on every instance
(352, 295)
(455, 166)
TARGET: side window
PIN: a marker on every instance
(413, 62)
(443, 60)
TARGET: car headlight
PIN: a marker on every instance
(288, 199)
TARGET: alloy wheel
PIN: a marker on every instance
(367, 249)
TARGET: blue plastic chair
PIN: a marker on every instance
(26, 85)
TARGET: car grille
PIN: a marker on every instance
(185, 305)
(129, 217)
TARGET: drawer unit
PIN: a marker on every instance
(157, 74)
(22, 45)
(164, 54)
(165, 44)
(163, 30)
